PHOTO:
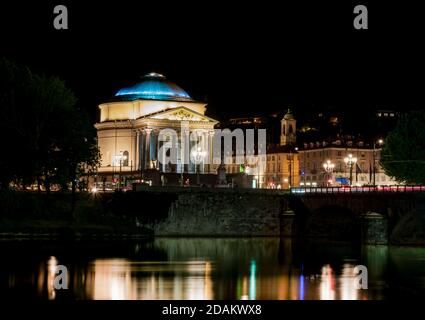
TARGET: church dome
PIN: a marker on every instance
(154, 86)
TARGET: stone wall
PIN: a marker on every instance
(247, 212)
(222, 214)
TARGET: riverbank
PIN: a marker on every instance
(39, 216)
(185, 212)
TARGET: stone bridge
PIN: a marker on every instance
(254, 212)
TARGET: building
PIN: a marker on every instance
(313, 156)
(282, 168)
(130, 124)
(281, 164)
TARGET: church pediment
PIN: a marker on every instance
(181, 114)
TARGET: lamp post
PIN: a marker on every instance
(121, 158)
(198, 156)
(350, 161)
(290, 166)
(290, 169)
(380, 143)
(329, 167)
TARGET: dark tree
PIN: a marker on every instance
(44, 137)
(403, 154)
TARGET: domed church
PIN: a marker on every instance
(129, 126)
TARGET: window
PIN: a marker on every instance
(339, 154)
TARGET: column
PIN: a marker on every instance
(136, 150)
(205, 148)
(154, 155)
(147, 148)
(192, 166)
(210, 151)
(141, 150)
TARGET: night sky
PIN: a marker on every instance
(243, 59)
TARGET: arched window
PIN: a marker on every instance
(290, 129)
(125, 159)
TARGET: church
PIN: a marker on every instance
(128, 133)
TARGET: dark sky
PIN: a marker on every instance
(244, 58)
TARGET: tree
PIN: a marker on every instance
(45, 138)
(403, 154)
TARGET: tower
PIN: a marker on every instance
(288, 129)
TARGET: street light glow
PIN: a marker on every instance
(329, 167)
(350, 161)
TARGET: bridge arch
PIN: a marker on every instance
(333, 222)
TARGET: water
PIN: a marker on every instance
(211, 268)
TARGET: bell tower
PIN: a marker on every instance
(288, 129)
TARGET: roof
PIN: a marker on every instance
(154, 86)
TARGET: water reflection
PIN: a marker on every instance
(120, 279)
(168, 268)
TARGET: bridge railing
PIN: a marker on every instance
(395, 188)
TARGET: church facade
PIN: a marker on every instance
(130, 125)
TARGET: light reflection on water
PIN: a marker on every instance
(254, 268)
(119, 279)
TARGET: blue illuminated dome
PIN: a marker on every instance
(154, 86)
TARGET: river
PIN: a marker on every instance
(211, 268)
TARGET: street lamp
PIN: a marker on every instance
(198, 156)
(380, 143)
(121, 158)
(350, 161)
(290, 166)
(329, 167)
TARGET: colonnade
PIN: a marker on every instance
(148, 146)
